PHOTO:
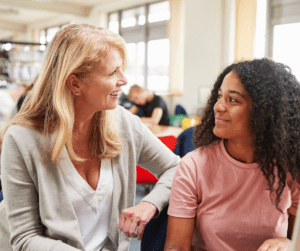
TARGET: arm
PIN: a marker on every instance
(21, 195)
(134, 109)
(158, 159)
(155, 117)
(179, 234)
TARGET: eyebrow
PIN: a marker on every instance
(235, 92)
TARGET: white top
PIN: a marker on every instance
(92, 207)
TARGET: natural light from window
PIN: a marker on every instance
(159, 12)
(286, 48)
(158, 65)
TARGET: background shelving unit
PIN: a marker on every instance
(20, 64)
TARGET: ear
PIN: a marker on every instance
(74, 84)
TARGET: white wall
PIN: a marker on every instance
(204, 54)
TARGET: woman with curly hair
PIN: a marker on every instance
(239, 190)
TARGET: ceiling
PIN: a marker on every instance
(17, 15)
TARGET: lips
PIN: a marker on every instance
(114, 94)
(219, 119)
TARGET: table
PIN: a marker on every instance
(162, 130)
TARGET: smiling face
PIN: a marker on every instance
(232, 110)
(102, 90)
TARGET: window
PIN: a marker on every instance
(47, 35)
(284, 33)
(286, 46)
(144, 29)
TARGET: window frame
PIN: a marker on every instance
(143, 33)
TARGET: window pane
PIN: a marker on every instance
(158, 65)
(286, 46)
(128, 18)
(114, 22)
(51, 33)
(159, 12)
(133, 17)
(135, 65)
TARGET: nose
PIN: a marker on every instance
(123, 80)
(220, 105)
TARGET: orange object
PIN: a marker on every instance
(143, 176)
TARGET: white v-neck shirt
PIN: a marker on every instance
(92, 207)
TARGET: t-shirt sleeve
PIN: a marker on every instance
(295, 193)
(184, 198)
(158, 102)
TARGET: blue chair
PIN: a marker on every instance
(155, 233)
(140, 113)
(179, 110)
(185, 142)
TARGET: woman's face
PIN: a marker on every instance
(102, 90)
(232, 110)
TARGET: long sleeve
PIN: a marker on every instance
(21, 198)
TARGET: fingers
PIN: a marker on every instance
(276, 244)
(129, 223)
(264, 247)
(133, 220)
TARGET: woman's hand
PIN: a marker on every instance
(137, 216)
(276, 244)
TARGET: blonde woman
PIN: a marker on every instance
(69, 156)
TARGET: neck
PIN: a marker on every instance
(242, 150)
(82, 127)
(150, 97)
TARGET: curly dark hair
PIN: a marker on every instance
(275, 118)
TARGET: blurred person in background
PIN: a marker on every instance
(69, 156)
(8, 98)
(240, 189)
(153, 107)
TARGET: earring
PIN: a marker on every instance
(76, 93)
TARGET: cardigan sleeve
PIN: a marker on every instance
(21, 198)
(162, 162)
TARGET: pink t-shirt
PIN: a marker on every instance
(230, 200)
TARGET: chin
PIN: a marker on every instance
(219, 133)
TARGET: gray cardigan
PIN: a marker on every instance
(36, 211)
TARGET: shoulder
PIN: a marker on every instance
(203, 153)
(127, 122)
(23, 138)
(202, 159)
(158, 99)
(18, 131)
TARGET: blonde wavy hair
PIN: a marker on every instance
(49, 106)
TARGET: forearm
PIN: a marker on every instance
(149, 120)
(179, 234)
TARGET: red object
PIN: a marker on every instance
(144, 176)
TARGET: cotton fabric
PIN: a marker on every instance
(230, 200)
